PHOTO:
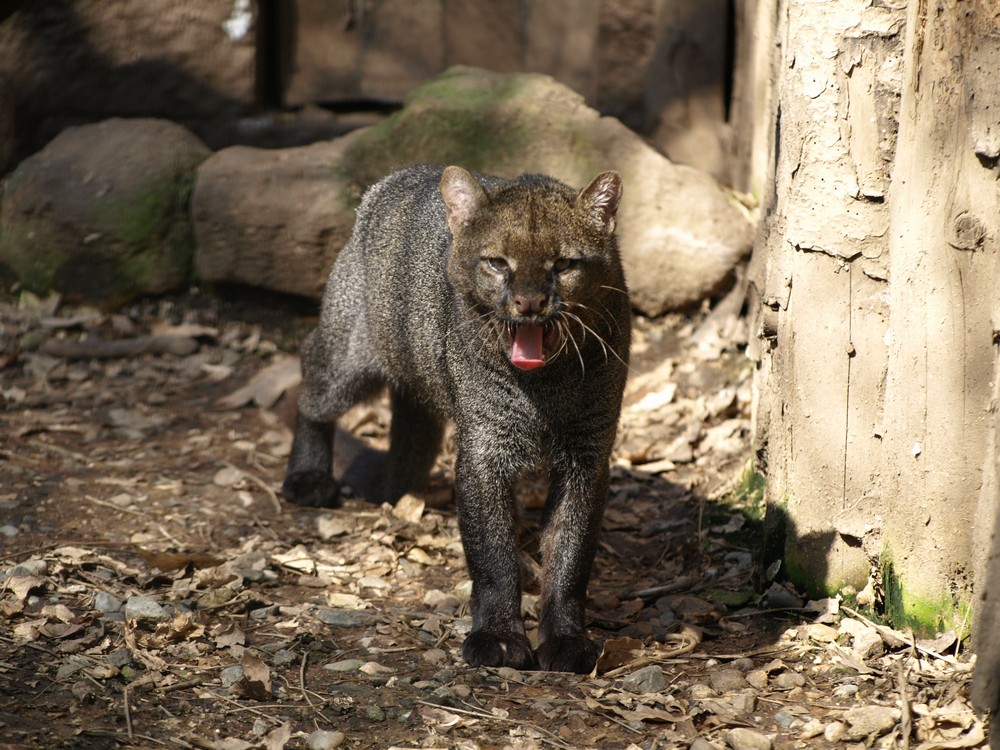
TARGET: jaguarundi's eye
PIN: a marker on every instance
(564, 264)
(497, 265)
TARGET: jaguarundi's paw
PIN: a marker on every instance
(576, 653)
(484, 649)
(311, 489)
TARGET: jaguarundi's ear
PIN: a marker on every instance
(462, 195)
(601, 197)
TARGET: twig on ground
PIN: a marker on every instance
(906, 721)
(302, 678)
(128, 713)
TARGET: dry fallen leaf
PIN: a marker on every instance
(256, 680)
(617, 652)
(278, 737)
(267, 386)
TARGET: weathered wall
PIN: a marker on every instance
(873, 283)
(658, 65)
(67, 62)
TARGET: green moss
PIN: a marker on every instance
(458, 117)
(749, 493)
(924, 615)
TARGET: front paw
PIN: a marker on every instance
(311, 489)
(573, 653)
(484, 649)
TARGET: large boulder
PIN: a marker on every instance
(680, 233)
(101, 213)
(274, 219)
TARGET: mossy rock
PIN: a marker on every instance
(101, 213)
(680, 233)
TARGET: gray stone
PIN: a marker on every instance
(788, 680)
(747, 739)
(272, 218)
(702, 744)
(230, 676)
(646, 680)
(321, 739)
(868, 644)
(9, 531)
(144, 608)
(101, 213)
(727, 680)
(105, 602)
(344, 665)
(344, 618)
(865, 721)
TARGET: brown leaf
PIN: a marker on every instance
(616, 652)
(409, 508)
(267, 386)
(230, 635)
(277, 738)
(23, 585)
(256, 680)
(168, 561)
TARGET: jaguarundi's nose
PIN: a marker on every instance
(529, 304)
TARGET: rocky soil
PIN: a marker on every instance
(156, 592)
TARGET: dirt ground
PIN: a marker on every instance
(156, 592)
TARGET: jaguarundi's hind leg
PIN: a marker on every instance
(326, 393)
(415, 434)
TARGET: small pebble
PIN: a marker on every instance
(373, 668)
(788, 680)
(702, 744)
(846, 690)
(509, 673)
(868, 644)
(646, 680)
(784, 719)
(105, 602)
(324, 740)
(345, 665)
(434, 656)
(871, 720)
(146, 608)
(812, 728)
(230, 675)
(699, 691)
(344, 618)
(834, 731)
(727, 680)
(29, 568)
(9, 531)
(744, 702)
(747, 739)
(119, 658)
(757, 678)
(284, 657)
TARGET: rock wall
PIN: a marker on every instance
(225, 68)
(68, 62)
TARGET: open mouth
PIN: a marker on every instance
(527, 351)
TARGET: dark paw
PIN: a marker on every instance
(483, 649)
(575, 653)
(311, 489)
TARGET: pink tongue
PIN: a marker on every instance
(527, 351)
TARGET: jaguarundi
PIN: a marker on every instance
(501, 305)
